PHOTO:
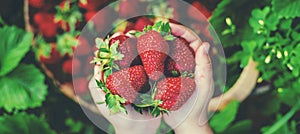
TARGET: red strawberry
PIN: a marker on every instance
(48, 29)
(42, 17)
(182, 57)
(127, 82)
(83, 47)
(36, 3)
(127, 47)
(141, 23)
(53, 58)
(71, 66)
(174, 92)
(153, 50)
(193, 13)
(80, 85)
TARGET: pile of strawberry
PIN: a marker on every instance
(152, 71)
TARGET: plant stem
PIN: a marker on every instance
(154, 90)
(283, 120)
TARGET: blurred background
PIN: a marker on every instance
(261, 41)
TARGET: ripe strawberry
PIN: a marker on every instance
(83, 47)
(174, 92)
(153, 50)
(141, 23)
(36, 3)
(193, 13)
(80, 85)
(127, 82)
(42, 17)
(127, 47)
(48, 29)
(53, 58)
(181, 57)
(71, 66)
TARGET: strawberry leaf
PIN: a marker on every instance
(15, 43)
(24, 124)
(19, 90)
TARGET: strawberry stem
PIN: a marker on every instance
(154, 90)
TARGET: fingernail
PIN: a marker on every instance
(206, 47)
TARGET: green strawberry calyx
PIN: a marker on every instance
(162, 27)
(105, 57)
(113, 102)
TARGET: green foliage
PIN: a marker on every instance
(269, 32)
(23, 123)
(15, 43)
(287, 8)
(68, 14)
(220, 121)
(65, 43)
(22, 88)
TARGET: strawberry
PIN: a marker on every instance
(42, 17)
(80, 85)
(48, 29)
(182, 57)
(127, 82)
(153, 50)
(141, 23)
(46, 24)
(71, 66)
(174, 92)
(36, 3)
(127, 47)
(53, 58)
(83, 47)
(193, 13)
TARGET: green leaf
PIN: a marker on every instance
(220, 121)
(23, 123)
(22, 88)
(286, 8)
(14, 44)
(231, 9)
